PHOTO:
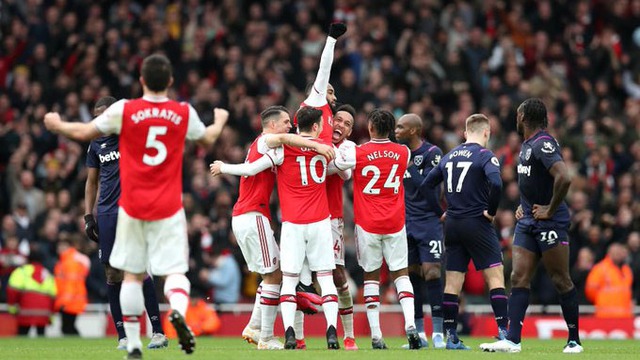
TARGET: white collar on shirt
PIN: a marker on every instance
(155, 98)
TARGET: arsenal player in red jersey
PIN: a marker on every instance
(379, 213)
(151, 230)
(251, 223)
(306, 227)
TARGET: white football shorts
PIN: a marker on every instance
(337, 228)
(311, 241)
(255, 237)
(372, 248)
(160, 246)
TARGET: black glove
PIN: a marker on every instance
(337, 29)
(91, 227)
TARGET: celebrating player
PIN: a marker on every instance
(424, 229)
(151, 231)
(473, 188)
(321, 94)
(306, 227)
(251, 223)
(104, 169)
(541, 232)
(342, 127)
(379, 214)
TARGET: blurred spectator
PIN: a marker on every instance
(580, 271)
(70, 274)
(31, 295)
(609, 284)
(633, 243)
(10, 259)
(225, 278)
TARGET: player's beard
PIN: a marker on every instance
(520, 128)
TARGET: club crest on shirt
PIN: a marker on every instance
(418, 160)
(548, 148)
(436, 160)
(527, 154)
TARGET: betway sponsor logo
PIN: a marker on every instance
(112, 156)
(526, 170)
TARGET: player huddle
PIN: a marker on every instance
(396, 206)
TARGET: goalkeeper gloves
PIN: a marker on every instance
(337, 29)
(91, 227)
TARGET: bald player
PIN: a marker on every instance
(424, 229)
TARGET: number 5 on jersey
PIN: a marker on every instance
(154, 143)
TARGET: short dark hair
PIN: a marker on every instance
(347, 108)
(383, 121)
(534, 113)
(307, 116)
(272, 111)
(105, 101)
(156, 72)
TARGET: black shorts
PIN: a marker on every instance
(471, 239)
(106, 235)
(424, 241)
(541, 236)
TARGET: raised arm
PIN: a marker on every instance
(72, 130)
(318, 95)
(213, 131)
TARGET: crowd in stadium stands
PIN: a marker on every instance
(442, 60)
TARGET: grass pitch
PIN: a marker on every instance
(234, 348)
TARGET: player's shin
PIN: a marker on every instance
(132, 302)
(176, 290)
(288, 303)
(406, 299)
(417, 283)
(256, 314)
(329, 297)
(345, 305)
(269, 302)
(113, 293)
(450, 311)
(518, 304)
(570, 311)
(434, 289)
(151, 304)
(372, 302)
(499, 302)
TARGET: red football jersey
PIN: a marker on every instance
(327, 122)
(301, 185)
(378, 200)
(152, 135)
(255, 191)
(334, 196)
